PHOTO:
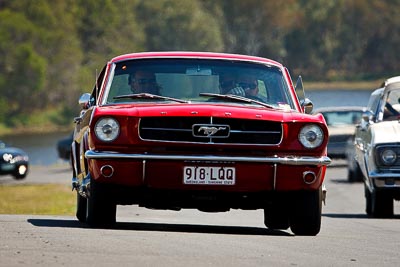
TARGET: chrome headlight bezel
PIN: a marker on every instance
(311, 136)
(388, 157)
(107, 129)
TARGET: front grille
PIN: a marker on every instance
(230, 131)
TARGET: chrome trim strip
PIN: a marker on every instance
(385, 180)
(382, 183)
(144, 170)
(375, 175)
(275, 169)
(324, 160)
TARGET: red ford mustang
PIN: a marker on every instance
(206, 131)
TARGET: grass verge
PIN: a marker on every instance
(46, 199)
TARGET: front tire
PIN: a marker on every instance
(276, 215)
(381, 205)
(101, 210)
(305, 216)
(368, 201)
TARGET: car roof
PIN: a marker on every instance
(392, 83)
(187, 54)
(343, 108)
(392, 80)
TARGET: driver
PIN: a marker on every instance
(228, 86)
(143, 82)
(249, 83)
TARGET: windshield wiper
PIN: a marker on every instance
(150, 96)
(237, 98)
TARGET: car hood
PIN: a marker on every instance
(206, 110)
(386, 132)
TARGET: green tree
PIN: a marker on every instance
(22, 69)
(255, 27)
(338, 40)
(178, 25)
(53, 38)
(106, 29)
(380, 23)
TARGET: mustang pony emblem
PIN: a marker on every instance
(209, 131)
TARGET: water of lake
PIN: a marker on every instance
(41, 148)
(338, 98)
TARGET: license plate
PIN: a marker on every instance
(209, 175)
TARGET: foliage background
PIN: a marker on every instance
(50, 49)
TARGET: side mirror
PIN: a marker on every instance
(307, 106)
(367, 116)
(84, 101)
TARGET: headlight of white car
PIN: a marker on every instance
(311, 136)
(388, 157)
(107, 129)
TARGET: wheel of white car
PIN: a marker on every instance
(368, 200)
(381, 205)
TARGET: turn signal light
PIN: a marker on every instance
(309, 177)
(107, 171)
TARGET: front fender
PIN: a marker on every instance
(84, 146)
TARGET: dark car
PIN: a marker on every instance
(64, 148)
(341, 123)
(13, 161)
(377, 149)
(198, 130)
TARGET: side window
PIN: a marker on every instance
(96, 88)
(393, 99)
(391, 110)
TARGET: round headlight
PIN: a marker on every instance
(388, 157)
(107, 129)
(311, 136)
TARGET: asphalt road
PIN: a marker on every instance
(145, 237)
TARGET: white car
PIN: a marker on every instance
(341, 123)
(377, 149)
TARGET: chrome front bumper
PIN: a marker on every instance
(316, 161)
(385, 180)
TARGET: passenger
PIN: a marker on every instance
(228, 86)
(249, 84)
(143, 82)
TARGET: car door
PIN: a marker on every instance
(363, 133)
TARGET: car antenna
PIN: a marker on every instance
(97, 87)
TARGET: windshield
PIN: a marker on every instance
(197, 80)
